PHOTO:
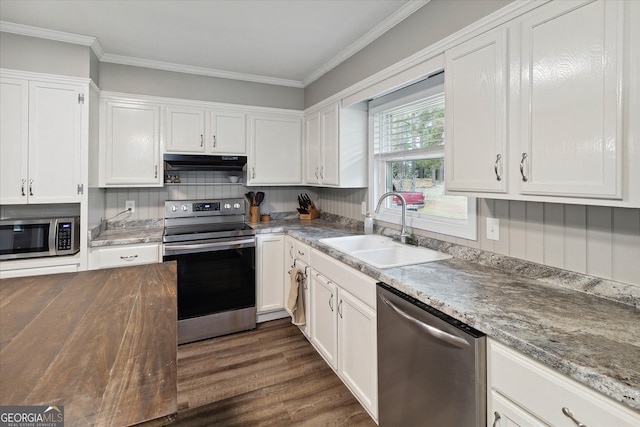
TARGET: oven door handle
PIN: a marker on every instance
(219, 246)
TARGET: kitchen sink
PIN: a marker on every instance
(382, 252)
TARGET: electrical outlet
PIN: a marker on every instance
(363, 208)
(493, 229)
(130, 205)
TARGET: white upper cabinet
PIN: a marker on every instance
(42, 141)
(130, 144)
(14, 140)
(336, 147)
(571, 63)
(185, 131)
(476, 87)
(227, 132)
(204, 131)
(540, 108)
(275, 149)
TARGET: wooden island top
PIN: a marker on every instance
(101, 343)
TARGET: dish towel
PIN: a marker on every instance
(295, 303)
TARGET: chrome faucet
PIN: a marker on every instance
(403, 233)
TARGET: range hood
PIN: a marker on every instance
(196, 162)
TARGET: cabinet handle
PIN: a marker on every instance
(331, 302)
(322, 172)
(31, 187)
(129, 257)
(155, 174)
(524, 157)
(24, 181)
(568, 413)
(253, 172)
(316, 172)
(291, 252)
(215, 141)
(300, 252)
(495, 167)
(201, 140)
(340, 309)
(496, 418)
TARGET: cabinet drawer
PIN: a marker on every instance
(359, 285)
(123, 255)
(302, 252)
(544, 392)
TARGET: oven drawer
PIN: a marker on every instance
(123, 255)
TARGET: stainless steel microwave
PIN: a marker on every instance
(35, 237)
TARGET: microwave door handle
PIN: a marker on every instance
(427, 329)
(53, 237)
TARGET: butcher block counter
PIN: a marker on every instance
(101, 343)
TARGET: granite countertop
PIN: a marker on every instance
(128, 234)
(591, 339)
(584, 327)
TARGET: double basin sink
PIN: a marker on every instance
(383, 252)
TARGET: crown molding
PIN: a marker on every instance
(210, 72)
(60, 36)
(394, 19)
(399, 15)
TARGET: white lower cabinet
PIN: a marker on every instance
(524, 392)
(124, 255)
(343, 326)
(296, 254)
(270, 276)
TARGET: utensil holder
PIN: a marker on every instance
(254, 214)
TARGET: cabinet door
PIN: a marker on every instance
(504, 413)
(270, 267)
(330, 165)
(357, 347)
(312, 145)
(275, 150)
(130, 144)
(185, 130)
(476, 117)
(570, 107)
(228, 133)
(14, 140)
(55, 142)
(324, 319)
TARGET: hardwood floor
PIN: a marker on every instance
(271, 376)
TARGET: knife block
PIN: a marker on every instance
(312, 212)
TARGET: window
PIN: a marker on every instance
(407, 131)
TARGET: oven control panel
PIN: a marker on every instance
(189, 208)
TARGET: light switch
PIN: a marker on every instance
(493, 229)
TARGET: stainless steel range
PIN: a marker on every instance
(215, 252)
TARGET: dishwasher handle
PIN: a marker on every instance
(427, 329)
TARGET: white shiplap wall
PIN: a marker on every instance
(598, 241)
(197, 185)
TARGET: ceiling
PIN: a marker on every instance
(285, 42)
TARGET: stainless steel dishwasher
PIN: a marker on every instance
(431, 367)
